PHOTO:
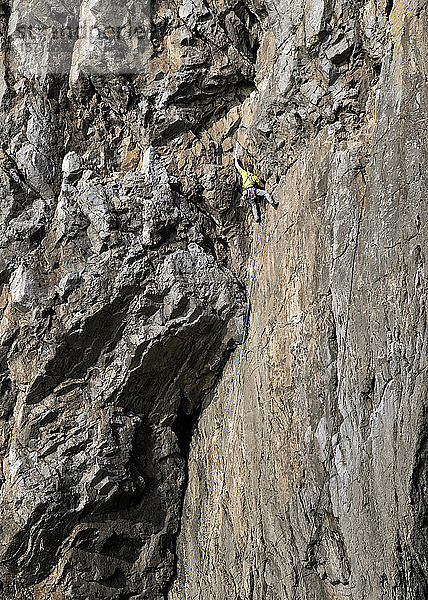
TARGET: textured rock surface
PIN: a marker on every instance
(124, 269)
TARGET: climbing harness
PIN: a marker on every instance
(229, 405)
(250, 193)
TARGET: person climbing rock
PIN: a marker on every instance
(253, 186)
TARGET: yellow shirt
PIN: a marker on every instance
(249, 180)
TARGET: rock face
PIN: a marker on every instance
(125, 260)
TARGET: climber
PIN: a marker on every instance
(252, 186)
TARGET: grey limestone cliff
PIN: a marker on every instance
(126, 253)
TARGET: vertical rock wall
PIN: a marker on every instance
(316, 492)
(124, 272)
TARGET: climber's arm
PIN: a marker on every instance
(242, 171)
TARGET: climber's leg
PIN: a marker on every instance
(267, 196)
(251, 197)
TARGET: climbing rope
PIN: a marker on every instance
(229, 406)
(235, 388)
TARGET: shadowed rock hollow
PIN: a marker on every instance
(125, 257)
